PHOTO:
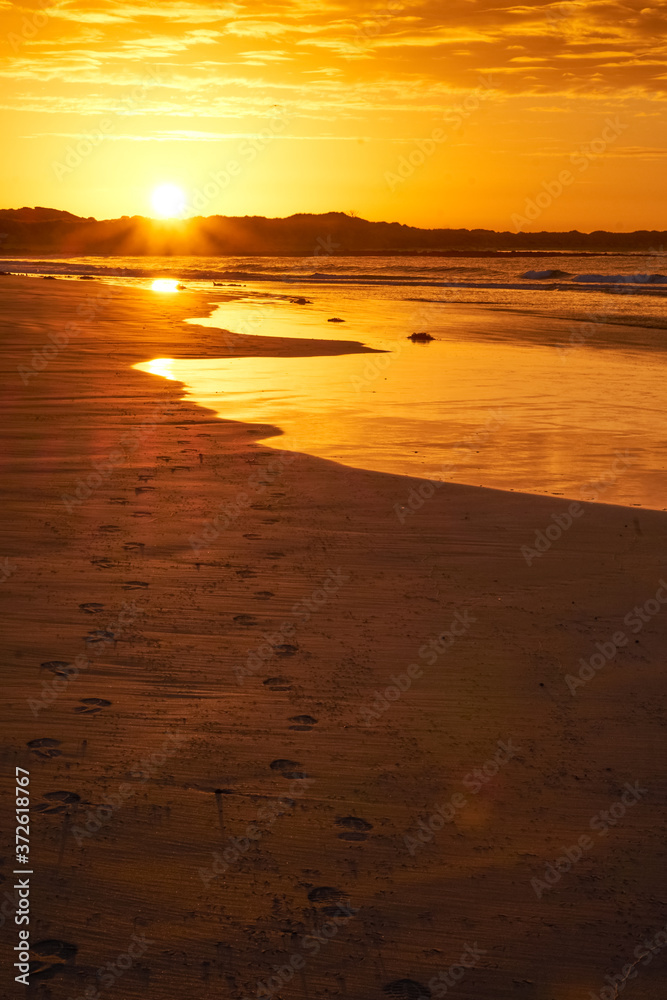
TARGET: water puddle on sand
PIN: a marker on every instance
(503, 415)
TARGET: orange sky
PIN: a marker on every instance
(449, 113)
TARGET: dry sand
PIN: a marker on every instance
(164, 629)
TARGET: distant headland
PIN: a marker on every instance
(332, 234)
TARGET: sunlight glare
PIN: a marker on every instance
(168, 200)
(164, 285)
(159, 366)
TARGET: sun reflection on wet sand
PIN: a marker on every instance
(500, 415)
(160, 366)
(164, 285)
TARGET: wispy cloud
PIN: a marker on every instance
(396, 59)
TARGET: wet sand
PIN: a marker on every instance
(156, 811)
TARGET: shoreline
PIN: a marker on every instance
(193, 618)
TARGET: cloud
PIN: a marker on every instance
(262, 58)
(256, 29)
(119, 13)
(343, 53)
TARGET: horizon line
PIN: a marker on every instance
(176, 220)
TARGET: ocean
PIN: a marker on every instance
(545, 374)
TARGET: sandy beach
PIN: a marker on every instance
(285, 742)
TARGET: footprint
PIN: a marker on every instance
(134, 546)
(58, 667)
(48, 957)
(264, 595)
(134, 585)
(109, 529)
(67, 797)
(45, 748)
(245, 619)
(407, 989)
(353, 823)
(50, 809)
(89, 706)
(245, 573)
(285, 649)
(120, 501)
(57, 803)
(181, 468)
(283, 765)
(287, 769)
(144, 489)
(103, 563)
(99, 635)
(91, 608)
(302, 723)
(142, 513)
(277, 683)
(326, 894)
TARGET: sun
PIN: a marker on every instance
(168, 201)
